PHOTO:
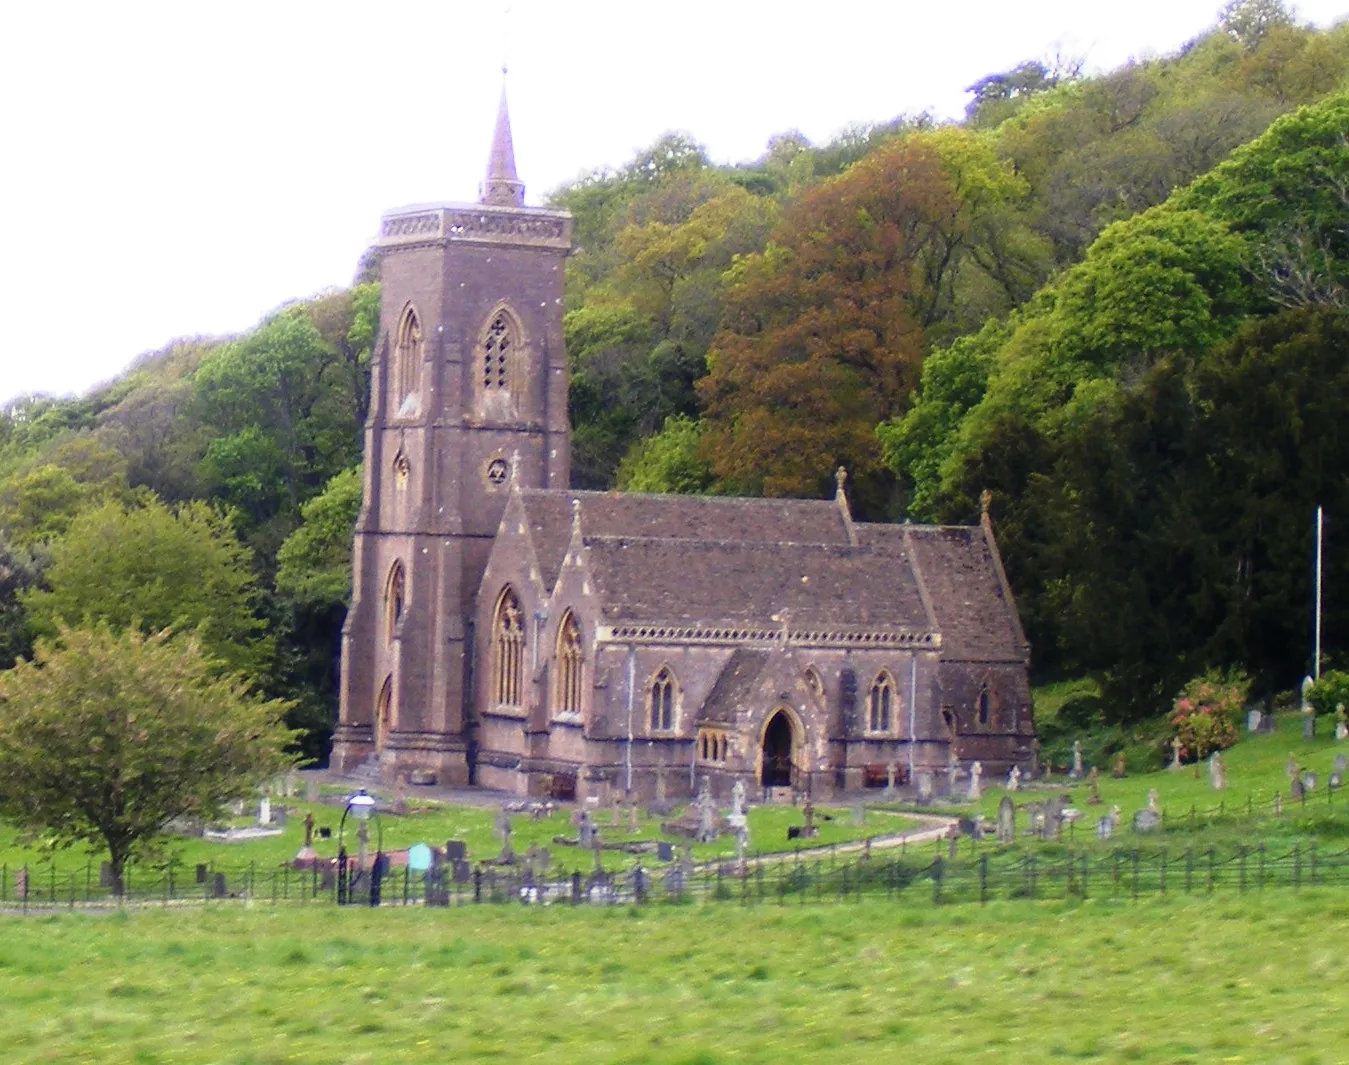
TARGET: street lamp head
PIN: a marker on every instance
(361, 805)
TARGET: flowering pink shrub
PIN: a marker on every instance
(1206, 713)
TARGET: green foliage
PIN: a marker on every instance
(314, 564)
(1205, 714)
(670, 461)
(150, 567)
(1330, 694)
(107, 736)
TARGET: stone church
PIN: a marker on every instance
(509, 632)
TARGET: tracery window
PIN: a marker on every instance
(569, 659)
(662, 700)
(395, 597)
(881, 703)
(508, 650)
(499, 342)
(407, 357)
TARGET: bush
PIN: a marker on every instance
(1206, 712)
(1330, 692)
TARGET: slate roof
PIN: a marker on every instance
(977, 620)
(735, 685)
(748, 521)
(718, 561)
(819, 586)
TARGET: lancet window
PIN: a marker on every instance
(395, 598)
(508, 650)
(569, 659)
(662, 701)
(881, 704)
(499, 342)
(407, 357)
(983, 706)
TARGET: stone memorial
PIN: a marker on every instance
(1105, 827)
(1076, 772)
(1307, 685)
(809, 830)
(1310, 780)
(1006, 820)
(634, 825)
(456, 850)
(1217, 772)
(1014, 778)
(1121, 766)
(926, 787)
(952, 774)
(859, 815)
(738, 798)
(975, 792)
(1094, 779)
(311, 789)
(1154, 802)
(708, 815)
(1253, 719)
(1309, 727)
(1296, 789)
(1146, 820)
(665, 851)
(1341, 764)
(890, 772)
(1290, 769)
(1175, 753)
(265, 811)
(1341, 723)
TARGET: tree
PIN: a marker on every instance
(668, 461)
(314, 564)
(151, 567)
(1248, 21)
(106, 737)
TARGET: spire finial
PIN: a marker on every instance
(841, 478)
(503, 187)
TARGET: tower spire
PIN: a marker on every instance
(503, 187)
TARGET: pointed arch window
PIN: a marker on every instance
(395, 600)
(814, 683)
(508, 650)
(384, 713)
(499, 342)
(407, 359)
(881, 704)
(662, 701)
(569, 659)
(984, 705)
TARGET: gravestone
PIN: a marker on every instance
(952, 774)
(890, 771)
(1290, 769)
(219, 888)
(1309, 727)
(615, 814)
(311, 789)
(264, 811)
(1006, 820)
(461, 872)
(926, 787)
(1076, 772)
(1309, 780)
(1094, 779)
(1336, 781)
(665, 851)
(1121, 766)
(1307, 685)
(808, 830)
(707, 814)
(859, 815)
(1217, 772)
(1146, 820)
(1341, 764)
(1154, 802)
(456, 850)
(203, 874)
(738, 799)
(1014, 778)
(741, 844)
(1105, 827)
(503, 831)
(1341, 730)
(1296, 789)
(1175, 753)
(634, 826)
(976, 792)
(1253, 719)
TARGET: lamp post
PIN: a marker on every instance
(359, 806)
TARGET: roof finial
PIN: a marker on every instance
(985, 502)
(841, 478)
(576, 517)
(503, 187)
(841, 498)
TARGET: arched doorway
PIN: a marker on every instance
(779, 741)
(383, 713)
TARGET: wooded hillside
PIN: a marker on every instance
(1117, 302)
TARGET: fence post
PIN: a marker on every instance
(983, 879)
(937, 868)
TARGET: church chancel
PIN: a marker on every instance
(509, 632)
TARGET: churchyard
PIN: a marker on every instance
(1225, 979)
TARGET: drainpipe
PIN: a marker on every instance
(913, 709)
(627, 747)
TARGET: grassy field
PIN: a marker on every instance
(1181, 980)
(435, 823)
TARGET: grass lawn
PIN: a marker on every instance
(435, 823)
(1178, 980)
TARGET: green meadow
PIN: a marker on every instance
(1198, 980)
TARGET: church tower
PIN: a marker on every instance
(469, 372)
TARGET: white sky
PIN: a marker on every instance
(181, 168)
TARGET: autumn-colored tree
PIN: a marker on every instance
(820, 339)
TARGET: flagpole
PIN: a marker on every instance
(1316, 660)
